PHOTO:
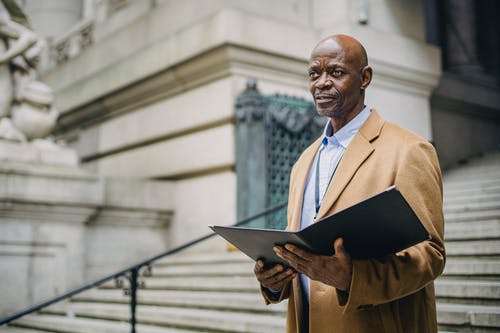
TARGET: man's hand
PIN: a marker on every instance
(335, 270)
(274, 278)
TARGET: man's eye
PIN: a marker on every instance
(313, 75)
(337, 72)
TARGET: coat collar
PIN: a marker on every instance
(357, 152)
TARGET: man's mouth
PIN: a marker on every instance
(325, 96)
(323, 99)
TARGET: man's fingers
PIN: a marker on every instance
(308, 256)
(282, 283)
(286, 254)
(277, 281)
(259, 266)
(292, 258)
(340, 250)
(263, 273)
(270, 273)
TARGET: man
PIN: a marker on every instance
(358, 156)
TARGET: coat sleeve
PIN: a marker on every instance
(378, 281)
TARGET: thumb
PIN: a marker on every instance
(340, 250)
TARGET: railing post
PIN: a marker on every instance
(133, 297)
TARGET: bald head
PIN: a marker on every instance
(339, 75)
(350, 45)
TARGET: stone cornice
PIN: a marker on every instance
(208, 66)
(183, 61)
(47, 193)
(102, 69)
(467, 96)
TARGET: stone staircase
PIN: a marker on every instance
(187, 293)
(190, 293)
(469, 290)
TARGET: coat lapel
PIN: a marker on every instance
(299, 182)
(357, 152)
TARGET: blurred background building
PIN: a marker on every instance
(157, 98)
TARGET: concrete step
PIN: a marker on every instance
(10, 329)
(460, 185)
(465, 179)
(488, 229)
(478, 198)
(491, 157)
(224, 321)
(205, 269)
(477, 167)
(469, 191)
(68, 324)
(203, 258)
(472, 216)
(468, 315)
(485, 204)
(472, 266)
(236, 301)
(471, 174)
(216, 283)
(468, 289)
(475, 247)
(488, 160)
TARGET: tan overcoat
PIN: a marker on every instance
(395, 294)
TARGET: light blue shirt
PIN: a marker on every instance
(333, 147)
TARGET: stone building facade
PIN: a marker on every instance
(147, 89)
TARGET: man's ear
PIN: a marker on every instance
(366, 77)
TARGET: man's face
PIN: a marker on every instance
(335, 79)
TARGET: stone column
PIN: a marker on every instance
(461, 53)
(251, 169)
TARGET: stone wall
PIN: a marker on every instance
(62, 227)
(146, 91)
(152, 96)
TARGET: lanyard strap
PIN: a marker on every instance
(317, 201)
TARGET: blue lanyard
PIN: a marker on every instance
(316, 181)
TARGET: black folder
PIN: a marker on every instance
(380, 225)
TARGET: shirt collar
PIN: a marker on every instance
(345, 135)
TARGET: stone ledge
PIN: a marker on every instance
(472, 266)
(33, 187)
(474, 315)
(51, 323)
(55, 185)
(239, 301)
(38, 152)
(231, 321)
(467, 289)
(42, 212)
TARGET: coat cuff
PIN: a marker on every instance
(272, 298)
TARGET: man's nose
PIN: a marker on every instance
(323, 81)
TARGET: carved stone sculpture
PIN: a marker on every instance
(26, 110)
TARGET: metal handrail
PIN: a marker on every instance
(132, 277)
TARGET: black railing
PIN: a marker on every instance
(132, 274)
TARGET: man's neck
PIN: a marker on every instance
(342, 119)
